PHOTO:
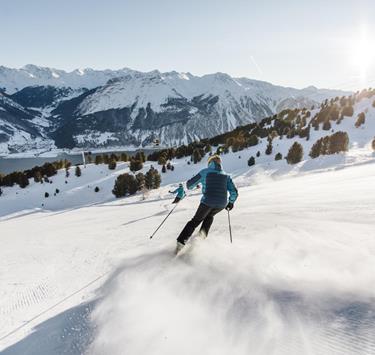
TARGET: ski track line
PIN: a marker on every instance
(23, 302)
(27, 298)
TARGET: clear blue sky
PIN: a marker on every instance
(288, 42)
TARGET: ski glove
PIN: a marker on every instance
(229, 206)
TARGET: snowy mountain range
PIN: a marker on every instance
(47, 108)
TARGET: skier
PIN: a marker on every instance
(180, 193)
(215, 187)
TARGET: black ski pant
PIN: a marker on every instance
(177, 200)
(204, 214)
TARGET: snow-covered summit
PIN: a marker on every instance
(14, 80)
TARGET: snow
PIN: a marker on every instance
(79, 274)
(296, 279)
(33, 75)
(155, 88)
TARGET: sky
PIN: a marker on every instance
(287, 42)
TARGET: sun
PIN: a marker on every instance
(363, 53)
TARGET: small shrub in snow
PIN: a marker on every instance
(1, 191)
(278, 156)
(269, 148)
(112, 164)
(163, 169)
(57, 191)
(78, 171)
(38, 176)
(96, 189)
(258, 154)
(373, 144)
(67, 173)
(360, 120)
(295, 153)
(251, 161)
(46, 194)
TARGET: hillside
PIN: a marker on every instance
(93, 109)
(79, 266)
(295, 280)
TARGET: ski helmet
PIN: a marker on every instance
(216, 158)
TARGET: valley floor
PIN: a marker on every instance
(298, 279)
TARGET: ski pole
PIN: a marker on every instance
(163, 220)
(230, 228)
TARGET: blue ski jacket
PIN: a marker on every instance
(215, 186)
(179, 191)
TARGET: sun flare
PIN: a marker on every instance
(363, 53)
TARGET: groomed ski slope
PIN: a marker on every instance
(298, 278)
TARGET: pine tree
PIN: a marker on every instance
(373, 144)
(348, 111)
(106, 158)
(113, 157)
(135, 165)
(258, 154)
(252, 140)
(140, 156)
(38, 176)
(316, 149)
(360, 120)
(338, 142)
(326, 125)
(140, 177)
(1, 191)
(196, 157)
(78, 172)
(125, 184)
(163, 169)
(157, 180)
(295, 153)
(269, 148)
(251, 161)
(112, 165)
(96, 189)
(46, 194)
(278, 156)
(22, 180)
(152, 179)
(98, 159)
(124, 157)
